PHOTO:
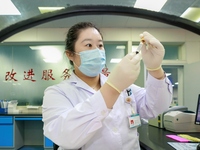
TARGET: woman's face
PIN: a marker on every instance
(88, 39)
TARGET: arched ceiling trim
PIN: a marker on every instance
(99, 10)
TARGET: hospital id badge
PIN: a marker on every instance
(134, 120)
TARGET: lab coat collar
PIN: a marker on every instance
(74, 79)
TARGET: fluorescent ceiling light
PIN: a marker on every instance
(51, 54)
(49, 9)
(176, 83)
(154, 5)
(8, 8)
(120, 47)
(50, 60)
(115, 60)
(168, 74)
(35, 47)
(192, 13)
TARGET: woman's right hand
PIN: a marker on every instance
(125, 72)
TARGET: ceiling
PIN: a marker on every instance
(29, 9)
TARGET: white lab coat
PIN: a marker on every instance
(75, 115)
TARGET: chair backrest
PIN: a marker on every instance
(55, 147)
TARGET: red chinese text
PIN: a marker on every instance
(29, 75)
(47, 75)
(65, 74)
(10, 76)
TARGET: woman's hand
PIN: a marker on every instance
(152, 51)
(125, 72)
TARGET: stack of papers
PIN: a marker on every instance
(183, 146)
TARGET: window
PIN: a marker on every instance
(114, 53)
(173, 71)
(175, 75)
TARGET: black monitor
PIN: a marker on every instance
(197, 117)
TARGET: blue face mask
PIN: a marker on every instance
(92, 62)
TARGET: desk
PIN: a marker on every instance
(22, 129)
(153, 138)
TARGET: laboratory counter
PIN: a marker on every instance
(25, 128)
(154, 138)
(21, 129)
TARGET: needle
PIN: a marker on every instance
(140, 45)
(139, 48)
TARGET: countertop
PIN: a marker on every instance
(24, 111)
(22, 114)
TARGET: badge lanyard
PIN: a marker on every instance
(134, 118)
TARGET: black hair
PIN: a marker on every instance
(73, 34)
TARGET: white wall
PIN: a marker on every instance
(191, 84)
(190, 48)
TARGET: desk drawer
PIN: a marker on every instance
(6, 120)
(6, 132)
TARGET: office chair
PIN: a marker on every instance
(55, 147)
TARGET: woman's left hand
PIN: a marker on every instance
(152, 51)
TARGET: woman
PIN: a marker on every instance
(89, 111)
